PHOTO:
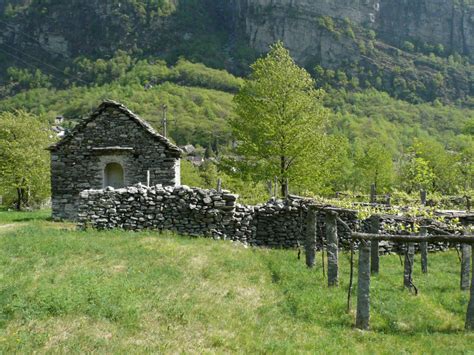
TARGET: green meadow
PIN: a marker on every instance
(63, 290)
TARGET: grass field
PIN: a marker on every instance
(63, 290)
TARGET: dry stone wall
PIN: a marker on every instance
(198, 212)
(209, 213)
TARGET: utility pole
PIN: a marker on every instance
(164, 121)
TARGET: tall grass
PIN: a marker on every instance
(64, 290)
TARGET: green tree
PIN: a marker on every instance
(417, 175)
(465, 161)
(442, 163)
(24, 162)
(372, 165)
(280, 120)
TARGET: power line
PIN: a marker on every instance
(26, 63)
(45, 50)
(49, 51)
(46, 64)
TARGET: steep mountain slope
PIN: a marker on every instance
(416, 50)
(411, 49)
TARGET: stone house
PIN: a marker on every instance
(112, 147)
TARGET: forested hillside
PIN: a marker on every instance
(400, 93)
(376, 131)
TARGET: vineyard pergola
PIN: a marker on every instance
(368, 245)
(365, 250)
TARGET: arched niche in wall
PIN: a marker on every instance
(114, 175)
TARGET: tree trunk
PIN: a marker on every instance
(282, 175)
(19, 193)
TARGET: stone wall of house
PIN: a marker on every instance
(110, 135)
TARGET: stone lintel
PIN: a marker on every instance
(112, 149)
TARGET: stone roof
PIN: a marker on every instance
(176, 151)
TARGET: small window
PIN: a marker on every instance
(113, 175)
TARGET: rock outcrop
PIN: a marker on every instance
(446, 22)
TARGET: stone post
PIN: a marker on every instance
(375, 229)
(424, 251)
(423, 197)
(311, 235)
(363, 286)
(270, 187)
(409, 260)
(373, 193)
(466, 251)
(470, 307)
(332, 248)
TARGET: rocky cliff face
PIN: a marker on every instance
(75, 27)
(366, 39)
(446, 22)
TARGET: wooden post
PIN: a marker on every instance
(424, 251)
(275, 187)
(423, 197)
(409, 260)
(332, 248)
(466, 251)
(148, 178)
(287, 188)
(388, 200)
(363, 286)
(470, 307)
(311, 235)
(375, 257)
(164, 121)
(219, 185)
(373, 193)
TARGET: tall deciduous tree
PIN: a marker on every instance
(24, 162)
(372, 165)
(280, 120)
